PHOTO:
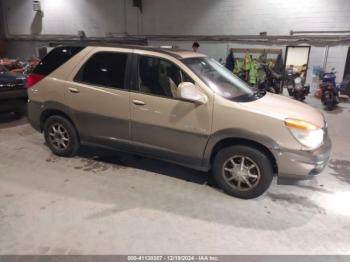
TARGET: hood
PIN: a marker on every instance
(282, 107)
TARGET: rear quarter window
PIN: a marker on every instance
(56, 58)
(105, 69)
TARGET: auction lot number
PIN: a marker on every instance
(172, 258)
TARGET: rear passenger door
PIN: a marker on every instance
(99, 98)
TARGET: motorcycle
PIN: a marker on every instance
(300, 89)
(289, 80)
(272, 82)
(296, 85)
(329, 90)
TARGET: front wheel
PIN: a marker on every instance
(61, 136)
(243, 171)
(299, 97)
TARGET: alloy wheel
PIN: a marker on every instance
(58, 136)
(241, 173)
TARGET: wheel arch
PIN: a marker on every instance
(220, 141)
(51, 112)
(54, 110)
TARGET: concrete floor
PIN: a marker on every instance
(104, 203)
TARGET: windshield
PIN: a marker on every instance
(218, 78)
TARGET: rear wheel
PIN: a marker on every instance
(278, 87)
(330, 107)
(243, 171)
(329, 101)
(61, 136)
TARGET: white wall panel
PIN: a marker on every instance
(208, 17)
(184, 17)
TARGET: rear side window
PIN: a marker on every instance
(56, 58)
(105, 69)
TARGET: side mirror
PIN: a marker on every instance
(190, 92)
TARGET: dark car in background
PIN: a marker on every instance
(13, 93)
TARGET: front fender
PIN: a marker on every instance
(241, 134)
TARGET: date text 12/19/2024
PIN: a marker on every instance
(173, 258)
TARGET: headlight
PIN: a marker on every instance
(297, 80)
(309, 135)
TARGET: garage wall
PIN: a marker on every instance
(99, 18)
(64, 17)
(244, 16)
(23, 49)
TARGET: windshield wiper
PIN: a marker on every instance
(261, 93)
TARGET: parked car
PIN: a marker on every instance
(27, 67)
(13, 94)
(177, 106)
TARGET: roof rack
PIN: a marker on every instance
(165, 50)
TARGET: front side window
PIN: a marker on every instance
(218, 78)
(160, 77)
(105, 69)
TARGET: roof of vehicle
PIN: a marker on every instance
(175, 52)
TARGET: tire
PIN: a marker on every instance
(329, 101)
(299, 97)
(278, 87)
(263, 174)
(330, 107)
(290, 91)
(65, 141)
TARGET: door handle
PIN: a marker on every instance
(138, 103)
(73, 90)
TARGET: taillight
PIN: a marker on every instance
(32, 79)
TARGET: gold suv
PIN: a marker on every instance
(177, 106)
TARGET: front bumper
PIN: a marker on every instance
(300, 164)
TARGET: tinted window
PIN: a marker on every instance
(104, 69)
(55, 59)
(160, 77)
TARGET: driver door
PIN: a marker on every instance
(162, 125)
